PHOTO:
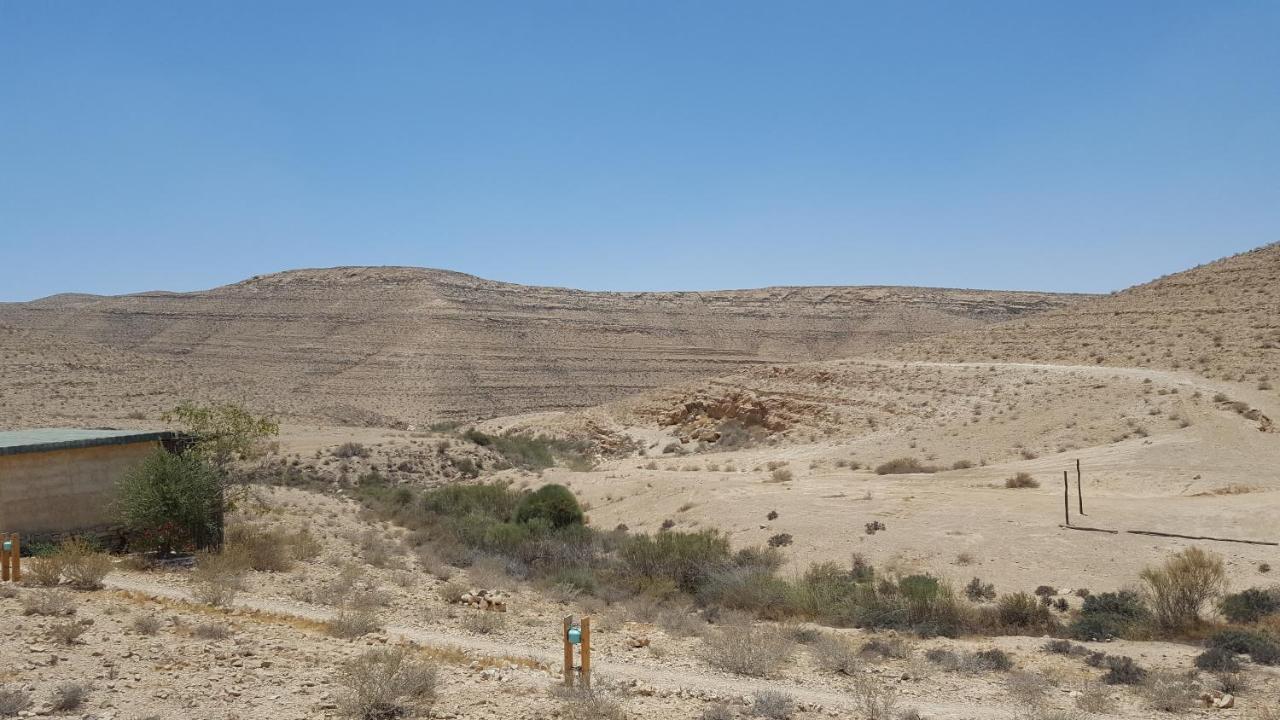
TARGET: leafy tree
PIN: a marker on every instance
(554, 504)
(172, 502)
(222, 432)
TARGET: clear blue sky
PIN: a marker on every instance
(635, 145)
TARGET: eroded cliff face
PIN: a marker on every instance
(379, 345)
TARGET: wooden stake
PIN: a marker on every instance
(4, 559)
(568, 652)
(1066, 497)
(1079, 492)
(16, 560)
(586, 652)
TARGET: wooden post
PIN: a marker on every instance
(1079, 491)
(16, 560)
(586, 652)
(1066, 497)
(4, 559)
(568, 652)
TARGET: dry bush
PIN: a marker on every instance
(483, 622)
(1026, 688)
(83, 566)
(1169, 693)
(146, 624)
(1096, 698)
(781, 475)
(680, 623)
(217, 578)
(718, 711)
(889, 647)
(211, 631)
(43, 571)
(263, 550)
(904, 465)
(1182, 586)
(304, 545)
(751, 650)
(50, 603)
(875, 701)
(352, 623)
(69, 696)
(579, 703)
(773, 705)
(351, 450)
(387, 683)
(377, 550)
(834, 653)
(7, 591)
(452, 591)
(13, 700)
(66, 633)
(1022, 480)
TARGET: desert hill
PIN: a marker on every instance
(1220, 320)
(384, 345)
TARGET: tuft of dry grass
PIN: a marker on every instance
(49, 603)
(387, 683)
(756, 651)
(1022, 480)
(69, 696)
(66, 633)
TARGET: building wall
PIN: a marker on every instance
(64, 490)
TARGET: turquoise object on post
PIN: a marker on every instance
(575, 635)
(8, 545)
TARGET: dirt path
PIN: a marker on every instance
(672, 681)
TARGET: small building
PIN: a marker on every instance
(56, 481)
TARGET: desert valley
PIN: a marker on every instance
(795, 501)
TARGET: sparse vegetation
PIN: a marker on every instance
(773, 705)
(756, 651)
(1022, 480)
(69, 696)
(903, 466)
(1180, 587)
(13, 701)
(387, 683)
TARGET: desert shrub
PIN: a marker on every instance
(351, 450)
(210, 631)
(773, 705)
(1021, 610)
(69, 696)
(1218, 660)
(303, 545)
(1028, 689)
(680, 623)
(1022, 480)
(43, 571)
(491, 500)
(1168, 693)
(145, 624)
(217, 578)
(171, 502)
(751, 650)
(48, 603)
(687, 559)
(834, 653)
(893, 647)
(1180, 587)
(66, 633)
(260, 549)
(759, 558)
(758, 591)
(904, 465)
(780, 540)
(452, 591)
(535, 452)
(1065, 647)
(1095, 698)
(13, 701)
(1250, 606)
(483, 623)
(351, 622)
(1122, 670)
(386, 683)
(992, 659)
(1237, 640)
(718, 711)
(83, 566)
(580, 703)
(1108, 615)
(873, 700)
(8, 591)
(553, 504)
(781, 475)
(1045, 591)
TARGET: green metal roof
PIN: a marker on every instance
(44, 439)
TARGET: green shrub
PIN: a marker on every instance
(489, 500)
(1099, 626)
(1021, 480)
(904, 465)
(534, 452)
(687, 559)
(553, 504)
(1108, 615)
(758, 591)
(992, 660)
(1022, 611)
(1218, 660)
(978, 591)
(171, 502)
(1122, 670)
(1250, 606)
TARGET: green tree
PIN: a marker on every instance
(553, 503)
(223, 432)
(172, 502)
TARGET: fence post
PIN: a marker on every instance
(1066, 498)
(586, 652)
(1079, 490)
(4, 557)
(568, 652)
(16, 559)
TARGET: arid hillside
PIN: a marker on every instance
(1220, 320)
(385, 346)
